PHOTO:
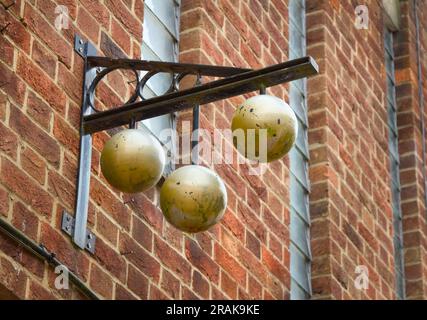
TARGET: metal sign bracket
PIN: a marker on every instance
(233, 82)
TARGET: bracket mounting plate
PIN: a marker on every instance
(68, 224)
(83, 48)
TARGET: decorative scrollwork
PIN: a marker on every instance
(140, 83)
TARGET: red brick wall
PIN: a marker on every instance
(350, 200)
(410, 144)
(138, 254)
(255, 228)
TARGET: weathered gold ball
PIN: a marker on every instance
(193, 198)
(277, 119)
(132, 161)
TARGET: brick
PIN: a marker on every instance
(8, 142)
(48, 35)
(254, 23)
(120, 36)
(11, 84)
(172, 259)
(130, 23)
(39, 110)
(41, 83)
(110, 203)
(255, 288)
(201, 261)
(89, 24)
(66, 135)
(228, 285)
(6, 51)
(4, 202)
(107, 228)
(99, 11)
(3, 106)
(275, 267)
(233, 16)
(157, 294)
(138, 256)
(205, 242)
(188, 294)
(19, 183)
(109, 48)
(252, 222)
(61, 189)
(111, 260)
(122, 294)
(139, 9)
(69, 83)
(25, 220)
(33, 164)
(143, 207)
(38, 292)
(137, 283)
(76, 261)
(211, 49)
(44, 59)
(142, 234)
(101, 282)
(22, 257)
(200, 285)
(218, 294)
(15, 30)
(233, 224)
(253, 244)
(13, 278)
(252, 264)
(229, 264)
(47, 7)
(170, 284)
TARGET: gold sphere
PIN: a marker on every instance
(269, 113)
(193, 198)
(132, 161)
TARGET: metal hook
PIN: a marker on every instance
(132, 123)
(262, 89)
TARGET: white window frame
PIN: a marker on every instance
(150, 50)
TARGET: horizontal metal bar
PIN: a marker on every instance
(169, 67)
(209, 92)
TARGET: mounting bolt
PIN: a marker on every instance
(89, 236)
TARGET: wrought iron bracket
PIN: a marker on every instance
(68, 225)
(233, 82)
